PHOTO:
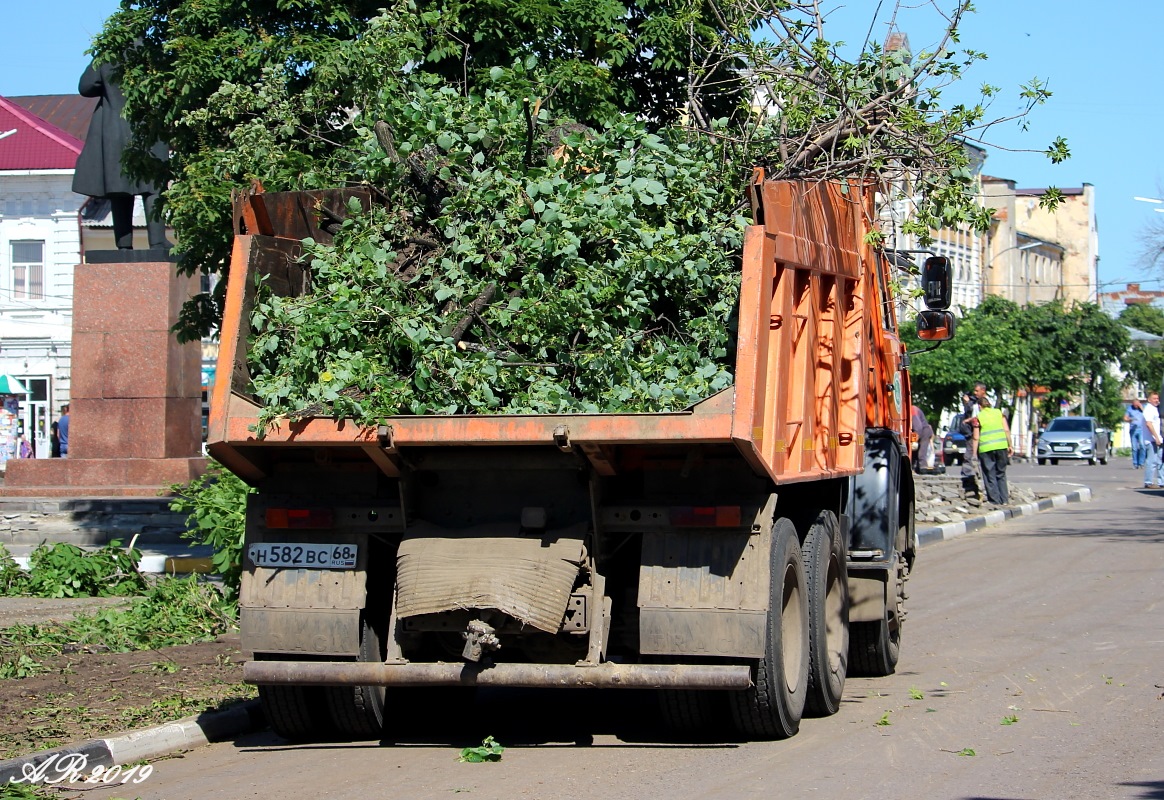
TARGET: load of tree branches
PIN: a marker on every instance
(565, 178)
(514, 269)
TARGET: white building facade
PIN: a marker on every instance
(40, 244)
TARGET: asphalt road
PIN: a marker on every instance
(1032, 668)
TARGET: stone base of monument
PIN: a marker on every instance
(136, 395)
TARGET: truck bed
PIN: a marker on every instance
(797, 411)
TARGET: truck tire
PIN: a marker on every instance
(357, 712)
(297, 713)
(773, 707)
(692, 714)
(873, 650)
(826, 569)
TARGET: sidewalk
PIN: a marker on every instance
(997, 516)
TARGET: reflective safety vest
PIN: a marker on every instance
(991, 434)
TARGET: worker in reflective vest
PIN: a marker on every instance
(992, 443)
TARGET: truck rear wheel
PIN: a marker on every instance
(358, 711)
(773, 707)
(692, 714)
(825, 565)
(297, 713)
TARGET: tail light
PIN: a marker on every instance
(706, 517)
(303, 518)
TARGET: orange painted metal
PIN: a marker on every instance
(804, 351)
(232, 338)
(818, 359)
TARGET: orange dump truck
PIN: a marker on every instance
(746, 552)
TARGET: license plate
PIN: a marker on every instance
(1061, 447)
(296, 555)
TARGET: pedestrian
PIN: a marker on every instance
(993, 446)
(63, 430)
(1134, 416)
(24, 447)
(969, 472)
(925, 439)
(1152, 474)
(54, 441)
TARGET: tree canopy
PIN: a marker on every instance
(1066, 351)
(287, 92)
(1144, 361)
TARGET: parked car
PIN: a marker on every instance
(1078, 438)
(954, 444)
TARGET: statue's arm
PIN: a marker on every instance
(91, 84)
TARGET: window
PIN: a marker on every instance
(28, 270)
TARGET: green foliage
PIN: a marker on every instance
(1010, 719)
(171, 612)
(26, 791)
(215, 505)
(13, 579)
(612, 271)
(967, 751)
(988, 348)
(916, 694)
(489, 750)
(1144, 361)
(65, 570)
(270, 91)
(1007, 347)
(884, 721)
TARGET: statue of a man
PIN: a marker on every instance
(99, 172)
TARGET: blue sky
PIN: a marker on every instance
(1100, 62)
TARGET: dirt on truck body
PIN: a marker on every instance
(747, 552)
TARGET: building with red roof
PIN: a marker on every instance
(40, 243)
(28, 142)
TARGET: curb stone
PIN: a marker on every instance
(128, 748)
(953, 529)
(247, 717)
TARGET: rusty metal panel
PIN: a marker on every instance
(232, 339)
(251, 256)
(705, 592)
(704, 569)
(485, 430)
(702, 632)
(867, 595)
(853, 378)
(315, 631)
(801, 364)
(528, 577)
(296, 215)
(818, 225)
(753, 378)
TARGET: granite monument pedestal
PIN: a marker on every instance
(136, 394)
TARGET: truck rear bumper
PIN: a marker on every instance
(562, 676)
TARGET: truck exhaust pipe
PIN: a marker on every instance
(533, 676)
